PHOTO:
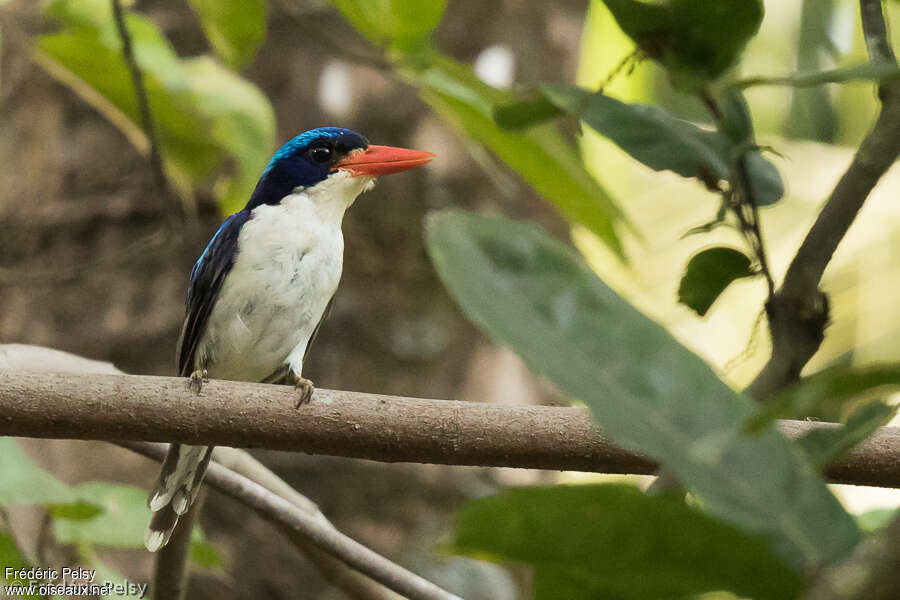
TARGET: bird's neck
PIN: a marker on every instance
(327, 201)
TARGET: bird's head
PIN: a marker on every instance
(342, 157)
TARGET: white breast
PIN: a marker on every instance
(288, 266)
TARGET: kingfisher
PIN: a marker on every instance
(261, 288)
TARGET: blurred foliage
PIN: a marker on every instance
(693, 40)
(812, 112)
(205, 115)
(235, 28)
(647, 391)
(596, 541)
(541, 156)
(88, 516)
(831, 394)
(11, 556)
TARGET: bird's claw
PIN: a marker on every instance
(197, 379)
(304, 389)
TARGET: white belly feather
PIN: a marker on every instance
(287, 269)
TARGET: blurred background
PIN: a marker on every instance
(90, 264)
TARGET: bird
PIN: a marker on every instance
(262, 286)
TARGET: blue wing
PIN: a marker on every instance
(206, 282)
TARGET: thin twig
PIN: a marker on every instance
(356, 425)
(284, 514)
(143, 102)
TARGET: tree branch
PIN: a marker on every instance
(20, 357)
(353, 583)
(286, 515)
(798, 314)
(357, 425)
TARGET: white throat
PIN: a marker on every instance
(329, 199)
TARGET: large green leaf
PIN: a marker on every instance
(540, 155)
(647, 391)
(234, 28)
(22, 481)
(614, 538)
(707, 275)
(694, 39)
(121, 523)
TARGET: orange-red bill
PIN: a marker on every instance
(382, 160)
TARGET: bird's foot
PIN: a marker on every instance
(197, 379)
(304, 389)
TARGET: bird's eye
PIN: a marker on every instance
(321, 154)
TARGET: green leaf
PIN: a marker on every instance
(827, 444)
(23, 482)
(203, 553)
(694, 40)
(75, 510)
(875, 71)
(540, 155)
(663, 142)
(707, 275)
(402, 24)
(876, 518)
(647, 391)
(766, 186)
(11, 557)
(763, 179)
(525, 113)
(121, 524)
(737, 125)
(235, 28)
(649, 134)
(620, 539)
(824, 395)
